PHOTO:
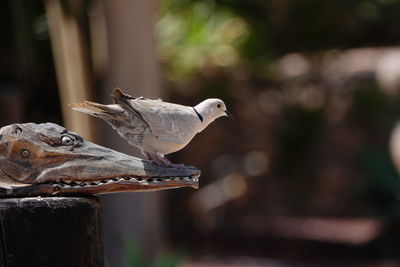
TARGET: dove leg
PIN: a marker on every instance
(149, 157)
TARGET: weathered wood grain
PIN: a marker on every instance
(51, 231)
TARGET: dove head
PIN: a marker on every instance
(211, 109)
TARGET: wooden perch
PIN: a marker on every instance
(47, 159)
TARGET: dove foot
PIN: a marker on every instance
(167, 163)
(171, 165)
(161, 160)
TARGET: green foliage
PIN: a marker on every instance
(166, 259)
(134, 255)
(198, 35)
(172, 259)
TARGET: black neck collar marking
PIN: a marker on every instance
(198, 115)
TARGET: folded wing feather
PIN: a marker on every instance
(169, 122)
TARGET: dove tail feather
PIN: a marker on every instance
(94, 109)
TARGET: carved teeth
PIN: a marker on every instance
(143, 181)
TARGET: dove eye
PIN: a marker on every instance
(219, 106)
(67, 140)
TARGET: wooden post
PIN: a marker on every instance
(51, 231)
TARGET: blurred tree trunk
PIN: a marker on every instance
(71, 61)
(131, 65)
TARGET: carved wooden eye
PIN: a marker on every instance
(25, 153)
(67, 140)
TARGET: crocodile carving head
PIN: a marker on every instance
(47, 159)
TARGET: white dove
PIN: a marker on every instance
(157, 128)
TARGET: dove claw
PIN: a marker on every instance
(170, 165)
(166, 163)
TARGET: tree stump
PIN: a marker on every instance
(51, 231)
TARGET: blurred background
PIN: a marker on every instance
(303, 176)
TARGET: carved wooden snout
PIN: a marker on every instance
(48, 159)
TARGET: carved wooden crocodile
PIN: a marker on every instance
(47, 159)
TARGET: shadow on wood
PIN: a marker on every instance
(51, 231)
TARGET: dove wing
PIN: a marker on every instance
(167, 121)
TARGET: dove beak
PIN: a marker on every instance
(228, 114)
